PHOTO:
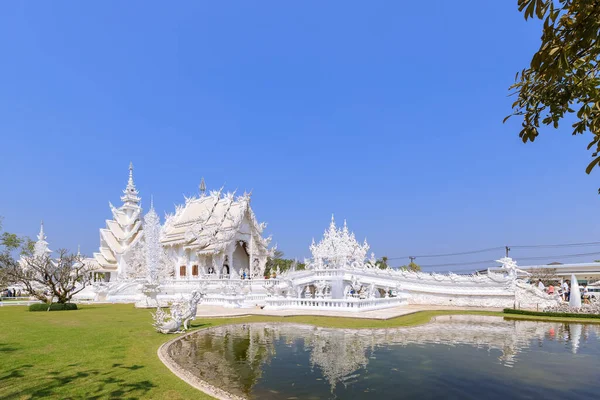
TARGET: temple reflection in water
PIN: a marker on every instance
(233, 357)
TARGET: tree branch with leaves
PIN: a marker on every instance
(563, 76)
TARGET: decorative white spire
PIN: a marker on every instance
(130, 194)
(130, 182)
(41, 235)
(153, 247)
(202, 187)
(122, 232)
(40, 248)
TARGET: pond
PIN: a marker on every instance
(453, 357)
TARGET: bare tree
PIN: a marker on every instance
(48, 278)
(547, 275)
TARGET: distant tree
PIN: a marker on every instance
(9, 244)
(564, 74)
(547, 275)
(48, 278)
(412, 266)
(382, 263)
(277, 261)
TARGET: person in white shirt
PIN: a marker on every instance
(541, 285)
(565, 286)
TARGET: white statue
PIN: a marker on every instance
(510, 267)
(181, 314)
(575, 297)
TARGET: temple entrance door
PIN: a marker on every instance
(241, 260)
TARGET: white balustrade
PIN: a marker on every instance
(350, 304)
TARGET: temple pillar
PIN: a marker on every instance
(251, 257)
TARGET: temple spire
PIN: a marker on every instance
(130, 194)
(130, 184)
(202, 187)
(332, 227)
(41, 235)
(40, 248)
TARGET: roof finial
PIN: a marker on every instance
(78, 250)
(332, 224)
(130, 194)
(202, 187)
(41, 235)
(130, 182)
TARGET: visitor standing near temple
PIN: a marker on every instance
(585, 296)
(566, 293)
(541, 285)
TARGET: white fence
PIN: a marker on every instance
(334, 304)
(17, 301)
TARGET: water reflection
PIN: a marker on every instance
(235, 357)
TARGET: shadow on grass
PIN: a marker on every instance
(5, 348)
(198, 325)
(15, 373)
(85, 384)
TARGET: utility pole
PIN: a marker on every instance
(507, 250)
(412, 260)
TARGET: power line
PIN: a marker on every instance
(540, 246)
(450, 254)
(519, 259)
(456, 264)
(561, 256)
(489, 249)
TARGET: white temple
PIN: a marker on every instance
(213, 244)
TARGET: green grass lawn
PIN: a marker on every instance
(109, 351)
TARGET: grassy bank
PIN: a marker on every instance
(109, 351)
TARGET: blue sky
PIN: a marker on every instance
(388, 114)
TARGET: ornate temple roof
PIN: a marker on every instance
(124, 230)
(209, 223)
(338, 246)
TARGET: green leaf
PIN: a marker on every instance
(591, 166)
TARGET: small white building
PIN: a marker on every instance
(215, 235)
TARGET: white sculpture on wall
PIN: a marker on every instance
(509, 266)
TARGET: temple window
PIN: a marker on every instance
(194, 270)
(182, 270)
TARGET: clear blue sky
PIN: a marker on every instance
(388, 114)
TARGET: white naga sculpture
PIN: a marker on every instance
(181, 313)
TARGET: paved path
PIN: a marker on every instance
(207, 311)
